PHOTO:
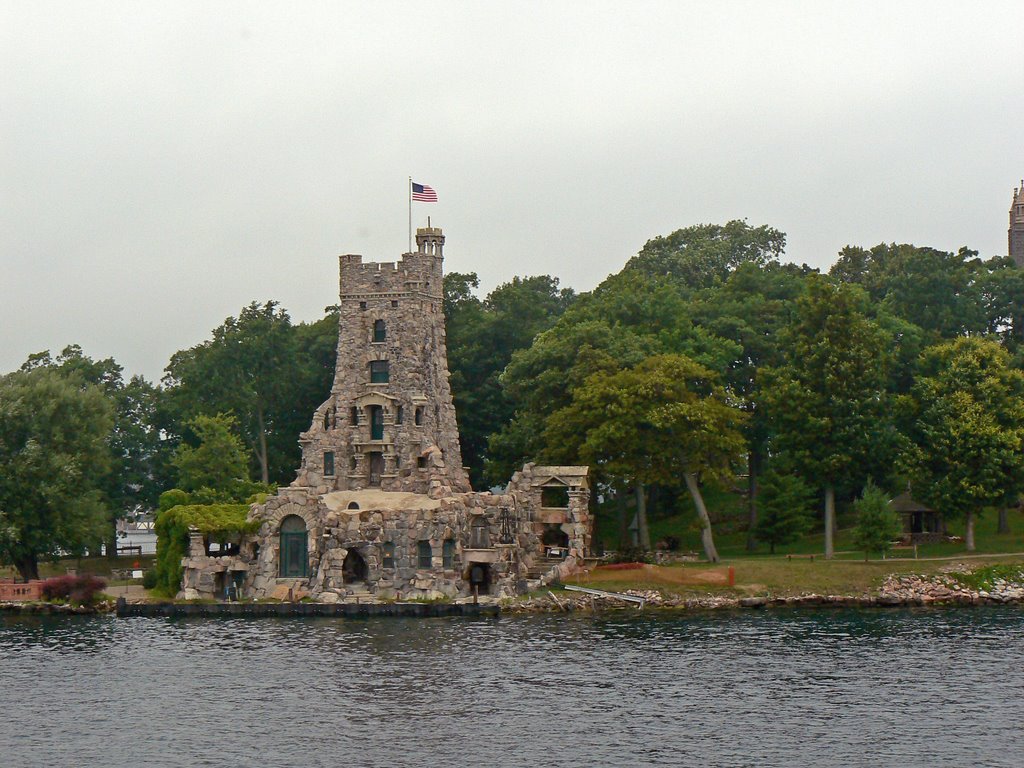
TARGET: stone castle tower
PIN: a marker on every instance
(1015, 234)
(389, 422)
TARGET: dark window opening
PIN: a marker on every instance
(424, 554)
(399, 415)
(352, 463)
(354, 415)
(328, 463)
(554, 496)
(376, 422)
(362, 305)
(387, 555)
(448, 553)
(394, 303)
(353, 505)
(419, 416)
(421, 462)
(327, 421)
(379, 331)
(354, 568)
(479, 534)
(376, 468)
(294, 548)
(378, 371)
(554, 536)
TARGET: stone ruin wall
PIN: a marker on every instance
(332, 533)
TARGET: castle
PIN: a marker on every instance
(1015, 234)
(381, 507)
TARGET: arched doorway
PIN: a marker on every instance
(354, 568)
(294, 548)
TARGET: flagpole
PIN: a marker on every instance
(409, 191)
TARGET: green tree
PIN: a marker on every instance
(628, 318)
(967, 422)
(939, 291)
(828, 403)
(751, 309)
(481, 338)
(217, 462)
(53, 457)
(267, 372)
(878, 524)
(665, 419)
(704, 255)
(134, 473)
(786, 503)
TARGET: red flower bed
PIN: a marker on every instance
(77, 589)
(621, 567)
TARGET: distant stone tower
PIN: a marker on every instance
(389, 422)
(1015, 234)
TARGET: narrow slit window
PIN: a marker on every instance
(424, 555)
(380, 332)
(328, 463)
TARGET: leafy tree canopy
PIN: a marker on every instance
(54, 456)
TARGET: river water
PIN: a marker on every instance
(771, 688)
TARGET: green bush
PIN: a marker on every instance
(218, 522)
(149, 579)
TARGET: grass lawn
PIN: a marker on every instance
(728, 519)
(768, 575)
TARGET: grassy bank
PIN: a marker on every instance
(96, 566)
(777, 576)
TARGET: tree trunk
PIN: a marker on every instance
(620, 506)
(28, 567)
(830, 519)
(706, 538)
(641, 518)
(754, 470)
(112, 538)
(261, 453)
(969, 532)
(1004, 520)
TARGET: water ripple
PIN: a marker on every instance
(772, 688)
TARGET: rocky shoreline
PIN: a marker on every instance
(953, 586)
(943, 589)
(58, 609)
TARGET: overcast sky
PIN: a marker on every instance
(162, 165)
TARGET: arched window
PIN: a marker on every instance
(448, 553)
(328, 463)
(424, 554)
(353, 505)
(379, 331)
(419, 416)
(294, 548)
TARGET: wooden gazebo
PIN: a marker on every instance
(922, 524)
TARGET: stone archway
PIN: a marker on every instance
(354, 568)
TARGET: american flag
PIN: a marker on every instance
(423, 193)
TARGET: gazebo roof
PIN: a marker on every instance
(906, 503)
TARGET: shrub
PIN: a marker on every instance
(149, 578)
(75, 589)
(632, 554)
(218, 522)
